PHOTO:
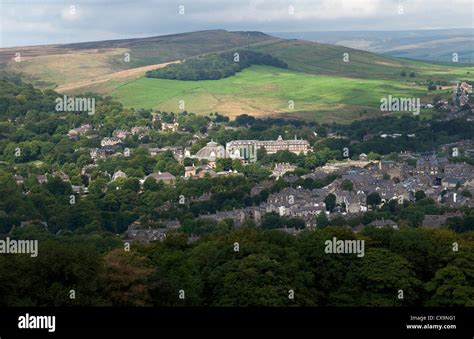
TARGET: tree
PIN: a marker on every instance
(223, 164)
(57, 187)
(377, 280)
(413, 215)
(424, 249)
(176, 273)
(215, 66)
(125, 278)
(450, 286)
(373, 199)
(131, 184)
(151, 184)
(419, 195)
(98, 186)
(294, 223)
(261, 153)
(263, 282)
(347, 185)
(271, 220)
(49, 278)
(372, 156)
(330, 202)
(322, 220)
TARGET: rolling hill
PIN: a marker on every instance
(316, 58)
(322, 80)
(430, 44)
(55, 65)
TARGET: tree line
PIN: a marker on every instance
(244, 267)
(215, 66)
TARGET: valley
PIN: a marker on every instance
(323, 82)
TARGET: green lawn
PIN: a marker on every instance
(262, 90)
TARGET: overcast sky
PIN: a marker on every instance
(34, 22)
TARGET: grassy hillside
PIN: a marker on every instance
(48, 66)
(166, 48)
(108, 82)
(263, 90)
(316, 58)
(430, 44)
(321, 84)
(63, 65)
(50, 70)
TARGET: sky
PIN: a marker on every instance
(38, 22)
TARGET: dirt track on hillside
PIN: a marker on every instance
(128, 74)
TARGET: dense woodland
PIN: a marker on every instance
(267, 266)
(82, 248)
(215, 66)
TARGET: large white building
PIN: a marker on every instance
(246, 150)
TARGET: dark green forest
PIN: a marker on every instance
(267, 265)
(215, 66)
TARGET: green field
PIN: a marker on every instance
(265, 91)
(316, 58)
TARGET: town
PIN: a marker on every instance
(283, 190)
(236, 163)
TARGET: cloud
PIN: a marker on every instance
(27, 22)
